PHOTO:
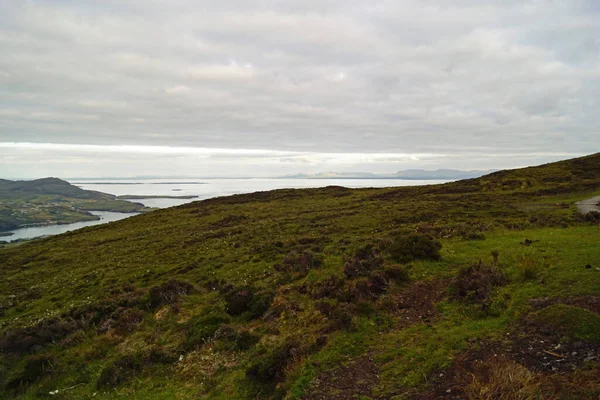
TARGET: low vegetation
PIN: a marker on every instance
(51, 201)
(485, 288)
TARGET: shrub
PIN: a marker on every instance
(415, 247)
(36, 367)
(369, 288)
(202, 327)
(342, 318)
(119, 371)
(329, 288)
(269, 366)
(169, 292)
(248, 300)
(238, 300)
(49, 331)
(300, 263)
(229, 338)
(476, 283)
(397, 274)
(365, 260)
(123, 321)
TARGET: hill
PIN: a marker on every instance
(481, 288)
(53, 201)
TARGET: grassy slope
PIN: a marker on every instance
(79, 308)
(52, 199)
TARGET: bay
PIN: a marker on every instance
(48, 230)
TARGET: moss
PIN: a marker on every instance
(574, 322)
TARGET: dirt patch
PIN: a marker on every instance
(417, 303)
(348, 382)
(489, 373)
(543, 360)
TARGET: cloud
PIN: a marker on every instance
(32, 160)
(503, 78)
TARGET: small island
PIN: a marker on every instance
(52, 201)
(139, 197)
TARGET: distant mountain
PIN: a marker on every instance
(421, 174)
(46, 186)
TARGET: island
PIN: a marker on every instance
(51, 201)
(139, 197)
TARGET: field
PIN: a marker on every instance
(485, 288)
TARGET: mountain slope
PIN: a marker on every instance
(318, 293)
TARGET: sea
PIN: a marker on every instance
(202, 188)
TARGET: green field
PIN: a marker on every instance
(485, 288)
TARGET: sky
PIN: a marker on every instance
(267, 88)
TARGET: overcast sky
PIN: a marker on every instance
(188, 87)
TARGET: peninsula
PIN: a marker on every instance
(50, 201)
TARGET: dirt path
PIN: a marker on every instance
(585, 206)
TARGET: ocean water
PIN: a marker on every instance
(209, 188)
(38, 231)
(203, 188)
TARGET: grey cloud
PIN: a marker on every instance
(309, 76)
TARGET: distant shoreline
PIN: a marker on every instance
(139, 183)
(139, 197)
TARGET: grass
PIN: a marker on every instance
(259, 295)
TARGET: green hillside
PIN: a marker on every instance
(485, 288)
(53, 201)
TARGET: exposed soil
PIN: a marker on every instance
(354, 379)
(418, 302)
(537, 347)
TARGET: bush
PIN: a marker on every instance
(369, 288)
(330, 288)
(36, 367)
(365, 260)
(119, 371)
(300, 264)
(270, 366)
(49, 331)
(248, 300)
(397, 274)
(229, 338)
(476, 283)
(342, 318)
(415, 247)
(169, 292)
(202, 327)
(123, 321)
